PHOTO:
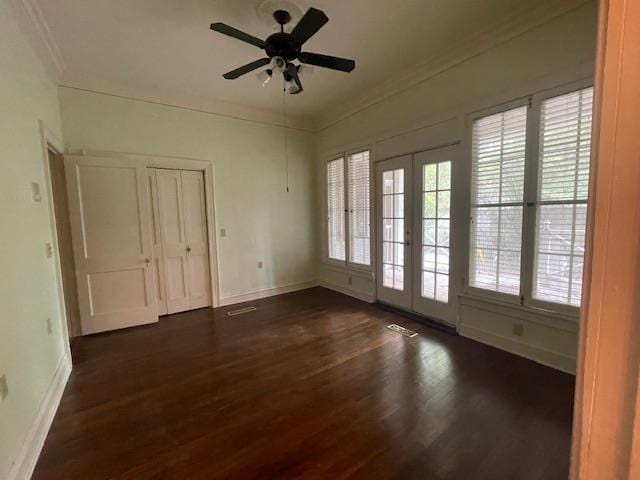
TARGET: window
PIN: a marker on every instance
(359, 229)
(335, 209)
(436, 212)
(498, 156)
(563, 184)
(348, 228)
(558, 175)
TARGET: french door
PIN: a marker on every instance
(414, 221)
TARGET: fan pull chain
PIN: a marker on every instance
(286, 134)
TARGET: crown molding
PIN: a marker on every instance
(33, 23)
(466, 49)
(184, 101)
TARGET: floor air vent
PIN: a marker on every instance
(233, 313)
(401, 330)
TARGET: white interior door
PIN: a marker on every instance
(158, 255)
(433, 294)
(174, 242)
(111, 230)
(195, 227)
(393, 212)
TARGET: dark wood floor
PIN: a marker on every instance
(311, 386)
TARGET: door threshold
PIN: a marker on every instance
(429, 322)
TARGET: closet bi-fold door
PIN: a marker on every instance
(183, 227)
(111, 236)
(195, 227)
(174, 243)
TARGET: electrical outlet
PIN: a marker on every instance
(48, 249)
(350, 281)
(4, 387)
(260, 264)
(49, 328)
(517, 329)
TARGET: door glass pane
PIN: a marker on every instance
(436, 213)
(393, 229)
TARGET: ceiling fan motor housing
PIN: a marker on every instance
(283, 45)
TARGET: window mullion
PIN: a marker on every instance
(530, 211)
(347, 189)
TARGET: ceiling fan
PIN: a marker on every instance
(283, 48)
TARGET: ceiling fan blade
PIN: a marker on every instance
(327, 61)
(309, 24)
(233, 74)
(235, 33)
(292, 71)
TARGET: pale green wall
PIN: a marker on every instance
(552, 49)
(262, 221)
(28, 291)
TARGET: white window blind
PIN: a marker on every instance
(336, 210)
(563, 183)
(358, 187)
(498, 156)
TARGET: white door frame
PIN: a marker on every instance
(177, 163)
(49, 141)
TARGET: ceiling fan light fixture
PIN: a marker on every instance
(291, 87)
(265, 76)
(278, 64)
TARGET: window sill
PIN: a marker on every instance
(563, 321)
(364, 272)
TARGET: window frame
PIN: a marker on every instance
(530, 201)
(531, 197)
(346, 263)
(468, 288)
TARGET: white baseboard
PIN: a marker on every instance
(25, 463)
(365, 297)
(269, 292)
(538, 354)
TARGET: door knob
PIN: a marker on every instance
(188, 249)
(147, 261)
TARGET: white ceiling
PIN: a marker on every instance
(165, 46)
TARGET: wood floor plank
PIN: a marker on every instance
(311, 385)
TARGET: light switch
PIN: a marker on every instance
(4, 387)
(223, 232)
(49, 249)
(260, 264)
(35, 192)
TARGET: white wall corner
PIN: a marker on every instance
(33, 23)
(25, 463)
(364, 296)
(268, 292)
